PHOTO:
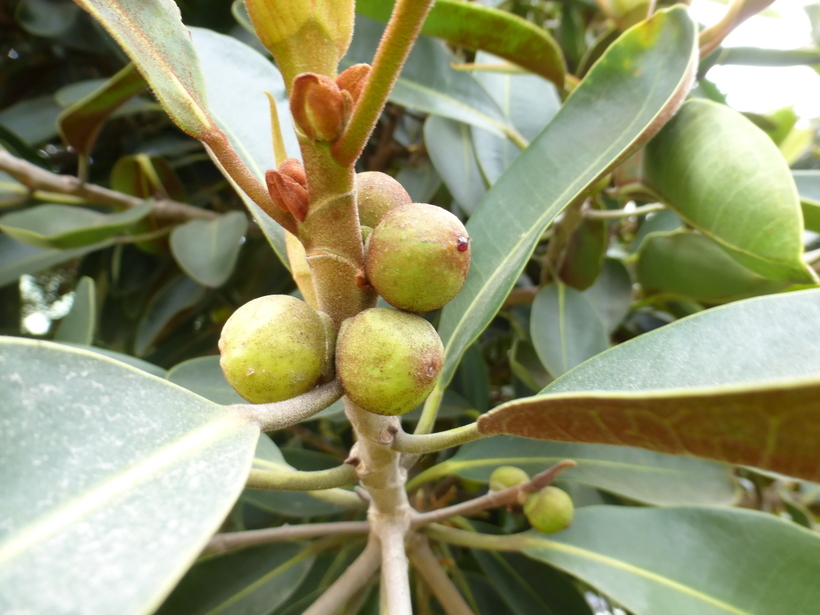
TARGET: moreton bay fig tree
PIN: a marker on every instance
(273, 348)
(418, 257)
(568, 137)
(388, 360)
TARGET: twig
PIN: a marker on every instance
(239, 540)
(612, 214)
(350, 581)
(737, 12)
(302, 481)
(401, 32)
(37, 179)
(281, 414)
(427, 565)
(475, 540)
(493, 499)
(430, 443)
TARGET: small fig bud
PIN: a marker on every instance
(376, 194)
(418, 257)
(317, 106)
(273, 348)
(388, 361)
(549, 510)
(287, 186)
(353, 79)
(504, 477)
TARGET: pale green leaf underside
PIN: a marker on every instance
(113, 480)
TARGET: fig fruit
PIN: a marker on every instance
(388, 361)
(549, 510)
(273, 348)
(418, 257)
(504, 477)
(376, 194)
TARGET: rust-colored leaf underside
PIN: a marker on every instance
(775, 427)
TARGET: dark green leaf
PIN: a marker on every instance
(77, 327)
(207, 249)
(248, 582)
(177, 296)
(689, 264)
(66, 226)
(566, 158)
(565, 328)
(688, 560)
(480, 27)
(450, 147)
(427, 82)
(611, 294)
(642, 476)
(18, 259)
(204, 377)
(80, 123)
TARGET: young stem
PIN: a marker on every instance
(401, 32)
(280, 414)
(302, 481)
(331, 234)
(239, 540)
(427, 566)
(431, 443)
(474, 540)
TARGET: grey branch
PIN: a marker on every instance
(427, 566)
(350, 582)
(493, 499)
(281, 414)
(35, 178)
(238, 540)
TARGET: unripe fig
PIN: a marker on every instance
(504, 477)
(273, 348)
(376, 194)
(549, 510)
(418, 257)
(388, 361)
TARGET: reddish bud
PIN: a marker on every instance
(317, 106)
(288, 188)
(353, 79)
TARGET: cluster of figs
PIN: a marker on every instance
(388, 360)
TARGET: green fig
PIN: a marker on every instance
(376, 194)
(504, 477)
(273, 348)
(418, 257)
(388, 361)
(549, 510)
